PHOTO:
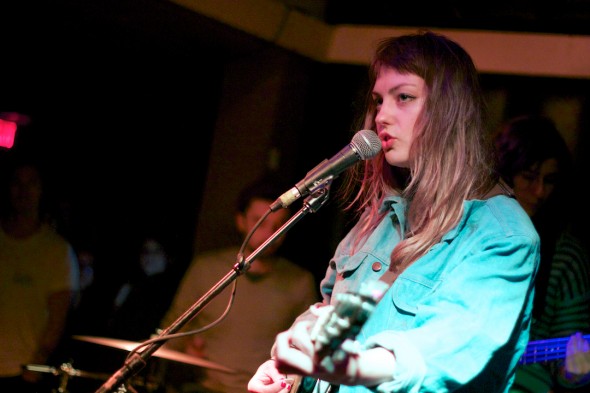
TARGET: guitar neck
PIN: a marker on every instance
(541, 351)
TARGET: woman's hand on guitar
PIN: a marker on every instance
(269, 380)
(305, 349)
(294, 349)
(369, 367)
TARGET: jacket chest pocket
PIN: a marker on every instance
(409, 292)
(351, 271)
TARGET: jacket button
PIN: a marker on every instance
(376, 266)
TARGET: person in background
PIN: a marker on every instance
(270, 294)
(126, 313)
(534, 159)
(142, 301)
(39, 280)
(456, 252)
(86, 262)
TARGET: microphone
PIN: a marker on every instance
(365, 144)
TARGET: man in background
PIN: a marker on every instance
(39, 281)
(270, 294)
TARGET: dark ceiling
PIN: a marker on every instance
(33, 25)
(540, 16)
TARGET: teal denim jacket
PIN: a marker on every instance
(458, 318)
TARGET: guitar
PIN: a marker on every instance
(540, 351)
(332, 332)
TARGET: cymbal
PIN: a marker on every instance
(163, 353)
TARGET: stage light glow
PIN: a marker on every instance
(7, 133)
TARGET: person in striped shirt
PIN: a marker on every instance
(535, 161)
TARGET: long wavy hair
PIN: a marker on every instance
(450, 157)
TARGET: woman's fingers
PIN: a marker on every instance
(294, 350)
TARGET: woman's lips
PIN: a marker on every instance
(386, 141)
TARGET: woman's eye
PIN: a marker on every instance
(405, 97)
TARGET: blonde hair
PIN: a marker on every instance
(450, 155)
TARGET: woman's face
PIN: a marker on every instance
(399, 99)
(532, 187)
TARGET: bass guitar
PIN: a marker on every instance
(541, 351)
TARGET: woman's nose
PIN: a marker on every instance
(383, 116)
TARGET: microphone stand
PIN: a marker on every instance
(138, 360)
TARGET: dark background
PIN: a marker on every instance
(123, 98)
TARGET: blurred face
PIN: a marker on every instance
(153, 259)
(86, 262)
(245, 222)
(399, 99)
(532, 187)
(25, 190)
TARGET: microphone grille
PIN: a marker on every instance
(366, 144)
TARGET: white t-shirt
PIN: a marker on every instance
(31, 269)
